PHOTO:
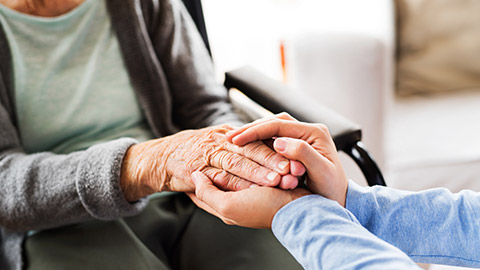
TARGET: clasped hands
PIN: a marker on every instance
(233, 174)
(309, 144)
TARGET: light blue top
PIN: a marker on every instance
(72, 94)
(382, 228)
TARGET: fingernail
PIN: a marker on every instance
(271, 176)
(282, 164)
(280, 145)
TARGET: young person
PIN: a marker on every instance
(337, 224)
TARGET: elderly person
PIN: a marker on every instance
(337, 224)
(91, 92)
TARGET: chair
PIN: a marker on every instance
(262, 92)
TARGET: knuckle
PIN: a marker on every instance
(217, 158)
(255, 170)
(211, 149)
(277, 121)
(227, 181)
(285, 116)
(323, 128)
(299, 148)
(295, 151)
(229, 162)
(303, 146)
(236, 183)
(221, 130)
(271, 156)
(226, 127)
(220, 178)
(231, 182)
(253, 149)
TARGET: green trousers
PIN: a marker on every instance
(172, 233)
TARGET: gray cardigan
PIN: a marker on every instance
(173, 78)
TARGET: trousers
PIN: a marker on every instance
(171, 233)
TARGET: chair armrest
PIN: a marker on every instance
(276, 97)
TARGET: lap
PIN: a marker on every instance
(172, 233)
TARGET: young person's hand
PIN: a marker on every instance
(310, 144)
(254, 207)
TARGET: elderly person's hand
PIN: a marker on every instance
(166, 164)
(310, 144)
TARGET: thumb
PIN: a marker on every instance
(300, 150)
(205, 190)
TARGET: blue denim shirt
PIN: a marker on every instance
(382, 228)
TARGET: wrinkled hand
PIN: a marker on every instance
(310, 144)
(254, 207)
(166, 164)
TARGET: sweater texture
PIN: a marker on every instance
(171, 73)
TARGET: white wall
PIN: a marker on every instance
(249, 31)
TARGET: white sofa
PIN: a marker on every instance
(419, 142)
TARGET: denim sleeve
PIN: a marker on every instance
(432, 226)
(321, 234)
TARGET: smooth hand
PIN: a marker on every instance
(254, 207)
(310, 144)
(166, 164)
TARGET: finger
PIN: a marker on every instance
(297, 168)
(283, 116)
(245, 168)
(229, 135)
(300, 150)
(288, 182)
(205, 190)
(277, 128)
(210, 198)
(226, 181)
(262, 154)
(178, 185)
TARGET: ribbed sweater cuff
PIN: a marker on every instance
(98, 181)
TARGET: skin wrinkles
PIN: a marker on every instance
(166, 164)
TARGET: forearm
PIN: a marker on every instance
(321, 234)
(45, 190)
(433, 226)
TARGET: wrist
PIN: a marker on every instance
(293, 196)
(128, 182)
(140, 175)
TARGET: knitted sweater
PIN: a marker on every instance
(172, 76)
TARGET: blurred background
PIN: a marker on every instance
(408, 71)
